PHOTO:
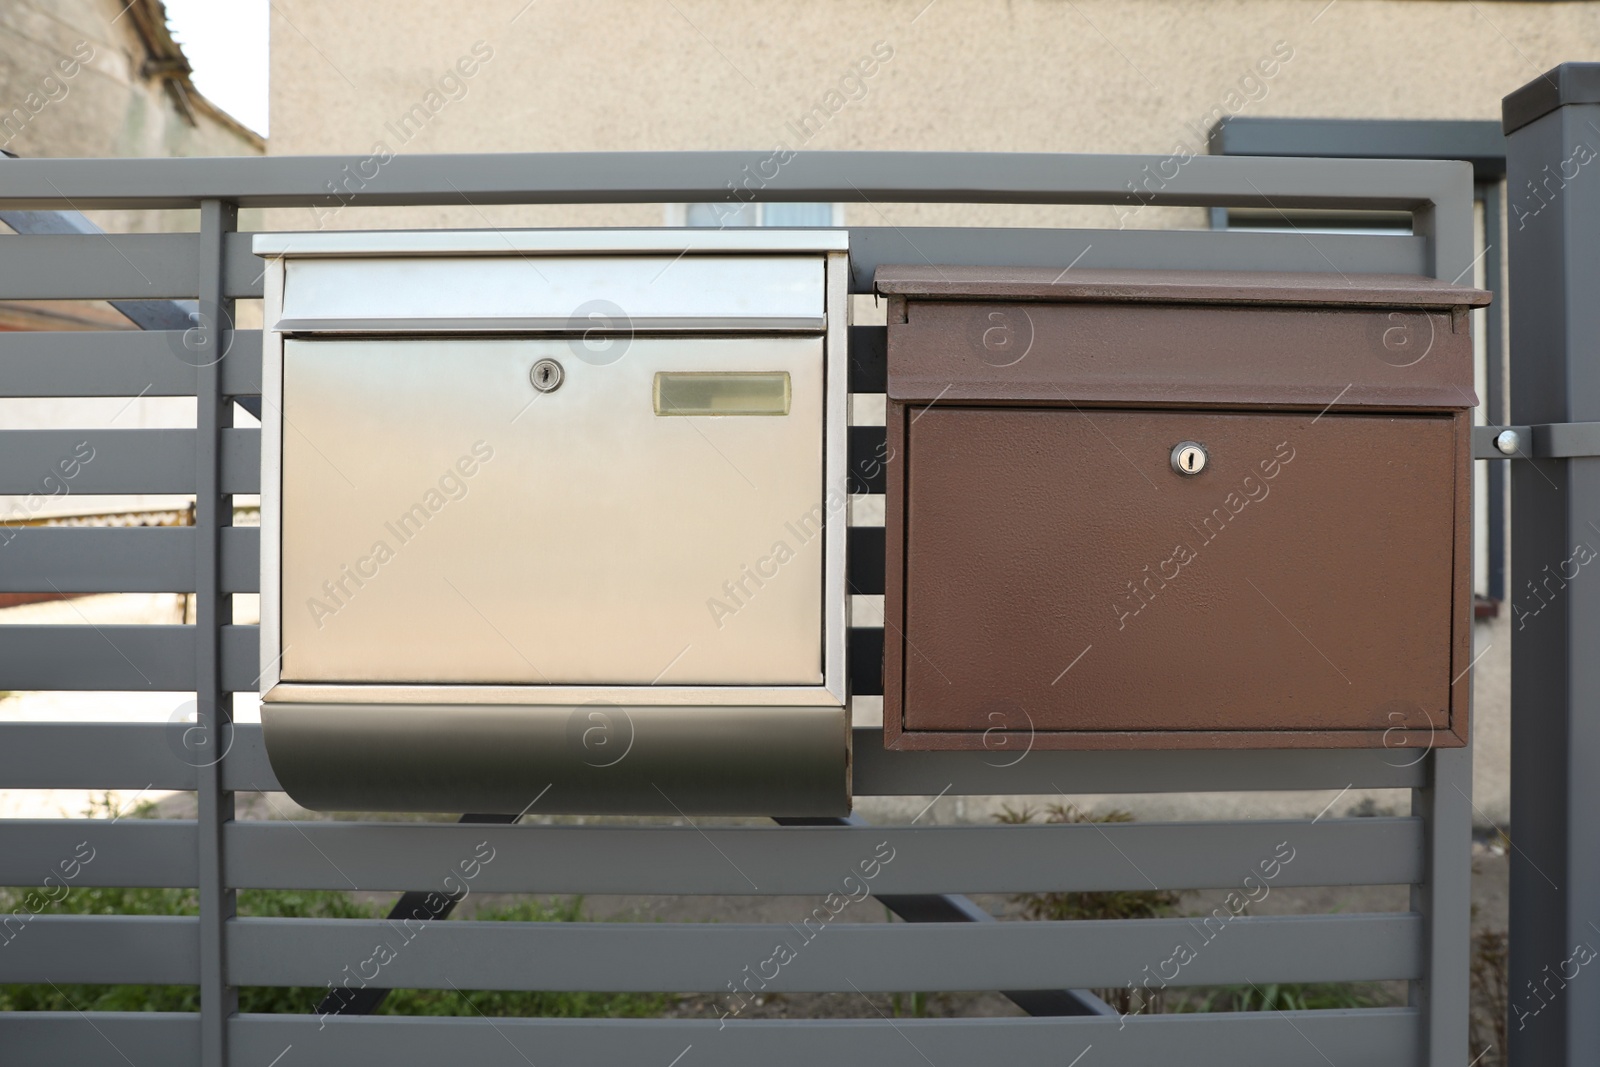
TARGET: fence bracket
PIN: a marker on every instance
(1555, 440)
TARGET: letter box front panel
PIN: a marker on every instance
(445, 522)
(1056, 565)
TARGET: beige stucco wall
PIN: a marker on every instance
(1029, 75)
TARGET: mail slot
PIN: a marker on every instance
(556, 517)
(1134, 509)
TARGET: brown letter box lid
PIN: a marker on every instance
(1055, 579)
(1174, 287)
(1176, 337)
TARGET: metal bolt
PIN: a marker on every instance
(1508, 442)
(1188, 457)
(546, 375)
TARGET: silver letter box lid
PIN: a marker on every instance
(552, 280)
(671, 241)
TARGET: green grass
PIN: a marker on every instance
(1309, 996)
(304, 1000)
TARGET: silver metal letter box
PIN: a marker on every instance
(556, 509)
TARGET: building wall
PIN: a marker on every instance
(77, 79)
(1027, 75)
(71, 84)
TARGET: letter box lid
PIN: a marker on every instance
(1047, 284)
(1169, 338)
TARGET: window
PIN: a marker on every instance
(730, 213)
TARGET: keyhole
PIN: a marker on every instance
(1188, 458)
(547, 375)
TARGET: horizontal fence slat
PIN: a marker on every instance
(53, 463)
(246, 767)
(870, 957)
(1381, 1037)
(241, 363)
(120, 363)
(98, 266)
(872, 247)
(56, 462)
(241, 658)
(241, 460)
(115, 949)
(97, 852)
(85, 657)
(241, 559)
(71, 1039)
(138, 658)
(97, 560)
(98, 755)
(242, 269)
(416, 179)
(879, 772)
(816, 860)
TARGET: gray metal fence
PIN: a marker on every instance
(1427, 850)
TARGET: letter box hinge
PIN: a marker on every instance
(1556, 440)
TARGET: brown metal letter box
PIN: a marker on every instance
(1159, 509)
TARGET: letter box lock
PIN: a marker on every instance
(547, 375)
(1188, 457)
(474, 603)
(1287, 564)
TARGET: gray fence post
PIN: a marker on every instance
(206, 344)
(1553, 191)
(1445, 803)
(1445, 806)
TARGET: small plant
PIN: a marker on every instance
(106, 806)
(1116, 904)
(1309, 996)
(915, 1005)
